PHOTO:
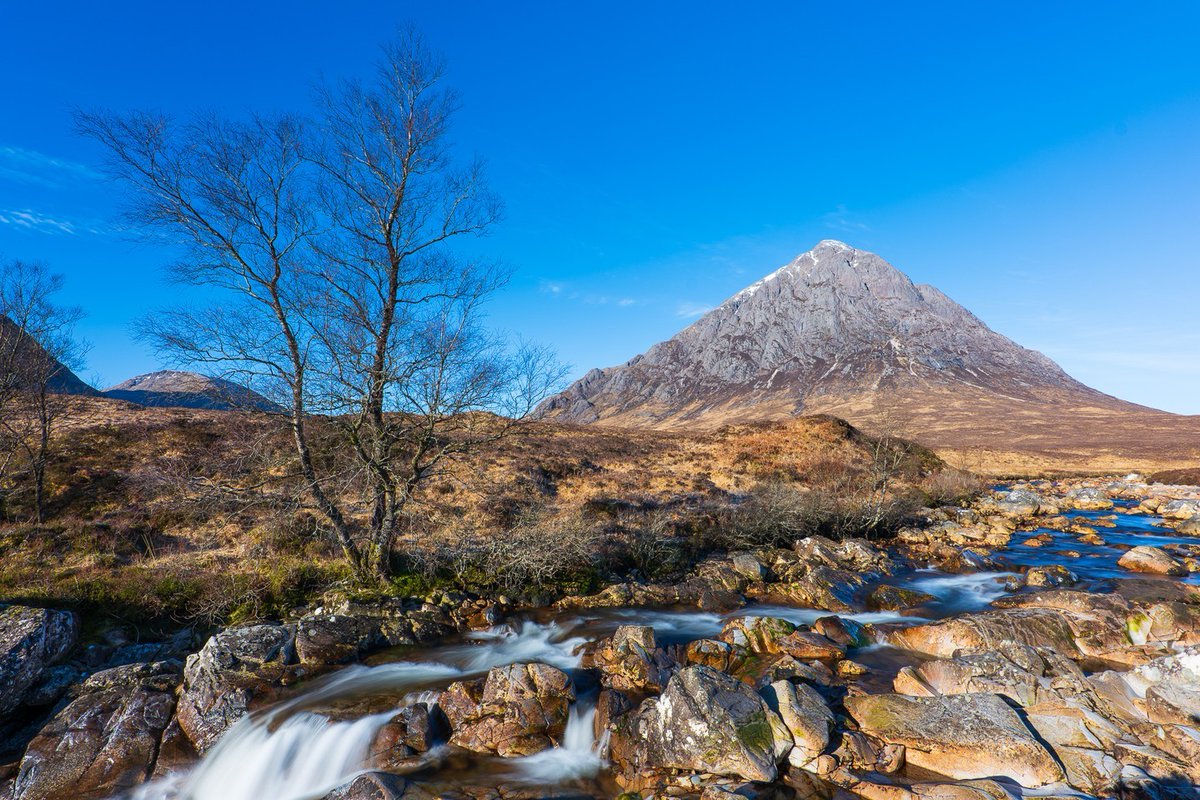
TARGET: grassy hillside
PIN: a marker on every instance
(168, 516)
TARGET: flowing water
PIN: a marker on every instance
(299, 751)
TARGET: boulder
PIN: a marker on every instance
(1050, 576)
(771, 635)
(1088, 498)
(397, 746)
(1179, 509)
(221, 680)
(630, 661)
(104, 741)
(1154, 560)
(1189, 526)
(515, 711)
(961, 736)
(991, 630)
(1020, 673)
(806, 716)
(893, 598)
(704, 721)
(1023, 503)
(370, 786)
(31, 641)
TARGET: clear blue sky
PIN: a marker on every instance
(1039, 162)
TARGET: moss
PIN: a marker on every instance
(756, 734)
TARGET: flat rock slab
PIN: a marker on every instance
(960, 736)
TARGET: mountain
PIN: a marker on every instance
(174, 388)
(841, 331)
(63, 380)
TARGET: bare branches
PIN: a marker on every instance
(328, 243)
(37, 349)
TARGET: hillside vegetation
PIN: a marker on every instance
(169, 516)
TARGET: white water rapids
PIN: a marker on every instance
(292, 752)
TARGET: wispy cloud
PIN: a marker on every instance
(31, 221)
(563, 292)
(690, 310)
(843, 220)
(21, 165)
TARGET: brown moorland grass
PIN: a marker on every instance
(171, 516)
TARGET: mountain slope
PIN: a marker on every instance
(62, 380)
(839, 330)
(174, 388)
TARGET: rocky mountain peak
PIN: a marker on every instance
(835, 322)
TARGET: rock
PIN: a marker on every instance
(104, 741)
(31, 641)
(1145, 558)
(630, 661)
(748, 566)
(961, 736)
(233, 667)
(704, 721)
(411, 732)
(1089, 499)
(1189, 526)
(517, 710)
(721, 656)
(806, 716)
(892, 598)
(1020, 673)
(370, 786)
(1023, 503)
(1179, 509)
(323, 639)
(1050, 576)
(763, 635)
(991, 630)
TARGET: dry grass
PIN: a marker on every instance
(172, 514)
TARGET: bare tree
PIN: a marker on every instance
(328, 240)
(37, 350)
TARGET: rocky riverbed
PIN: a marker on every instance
(1043, 642)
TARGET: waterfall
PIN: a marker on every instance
(579, 756)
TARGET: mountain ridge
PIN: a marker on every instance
(839, 330)
(170, 388)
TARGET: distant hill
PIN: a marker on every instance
(178, 389)
(841, 331)
(63, 381)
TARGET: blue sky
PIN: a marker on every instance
(1039, 162)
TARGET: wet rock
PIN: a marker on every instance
(960, 736)
(763, 635)
(630, 661)
(31, 641)
(1144, 558)
(371, 786)
(402, 739)
(611, 705)
(1053, 575)
(821, 587)
(232, 668)
(892, 598)
(104, 741)
(806, 716)
(517, 710)
(704, 721)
